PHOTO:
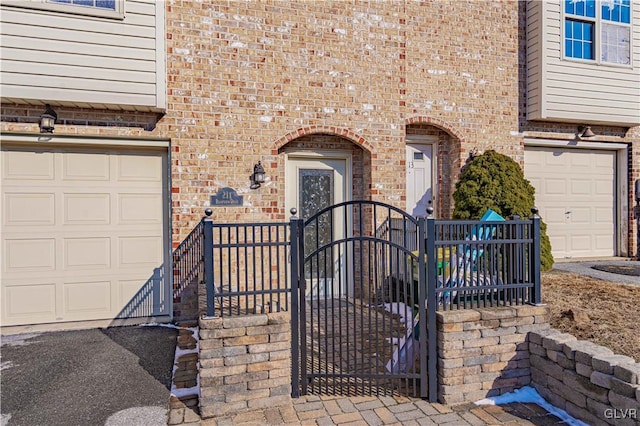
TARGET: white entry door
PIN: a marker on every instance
(313, 183)
(419, 186)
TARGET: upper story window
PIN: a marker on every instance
(598, 30)
(101, 4)
(93, 8)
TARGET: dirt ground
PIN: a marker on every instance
(600, 311)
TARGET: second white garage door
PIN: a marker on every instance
(83, 235)
(575, 192)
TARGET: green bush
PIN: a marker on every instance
(495, 181)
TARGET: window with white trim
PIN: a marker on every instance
(97, 8)
(598, 30)
(101, 4)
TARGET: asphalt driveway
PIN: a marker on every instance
(113, 376)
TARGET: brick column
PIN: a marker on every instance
(245, 363)
(484, 352)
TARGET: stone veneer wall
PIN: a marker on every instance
(485, 352)
(588, 381)
(245, 363)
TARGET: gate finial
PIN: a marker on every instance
(293, 212)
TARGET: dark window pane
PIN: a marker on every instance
(568, 51)
(569, 7)
(626, 15)
(587, 52)
(591, 8)
(580, 7)
(577, 30)
(606, 12)
(577, 49)
(587, 32)
(106, 4)
(567, 29)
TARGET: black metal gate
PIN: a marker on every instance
(361, 292)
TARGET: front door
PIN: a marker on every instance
(313, 183)
(419, 187)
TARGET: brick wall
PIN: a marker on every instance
(245, 363)
(484, 352)
(588, 381)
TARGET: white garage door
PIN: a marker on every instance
(83, 235)
(575, 192)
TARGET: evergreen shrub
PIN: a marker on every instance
(495, 181)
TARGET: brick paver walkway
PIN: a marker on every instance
(336, 410)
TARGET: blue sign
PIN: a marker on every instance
(226, 197)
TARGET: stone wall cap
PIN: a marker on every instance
(458, 315)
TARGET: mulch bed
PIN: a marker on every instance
(632, 270)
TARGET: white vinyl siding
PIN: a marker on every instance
(80, 60)
(569, 90)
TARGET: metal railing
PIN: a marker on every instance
(188, 261)
(480, 264)
(382, 257)
(246, 267)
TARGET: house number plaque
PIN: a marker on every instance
(226, 197)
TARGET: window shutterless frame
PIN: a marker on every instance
(596, 31)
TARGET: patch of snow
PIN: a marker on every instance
(4, 419)
(138, 416)
(18, 339)
(5, 365)
(528, 394)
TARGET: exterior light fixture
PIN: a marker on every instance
(257, 178)
(48, 120)
(585, 132)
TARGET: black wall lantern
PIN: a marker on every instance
(257, 178)
(48, 120)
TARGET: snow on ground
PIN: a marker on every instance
(528, 394)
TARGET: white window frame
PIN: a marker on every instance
(73, 9)
(597, 36)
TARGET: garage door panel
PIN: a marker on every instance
(89, 298)
(604, 216)
(149, 299)
(26, 165)
(131, 168)
(140, 208)
(86, 209)
(553, 215)
(140, 251)
(579, 211)
(578, 159)
(579, 215)
(555, 186)
(32, 209)
(602, 242)
(558, 242)
(28, 255)
(30, 301)
(604, 187)
(85, 167)
(581, 187)
(76, 223)
(87, 253)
